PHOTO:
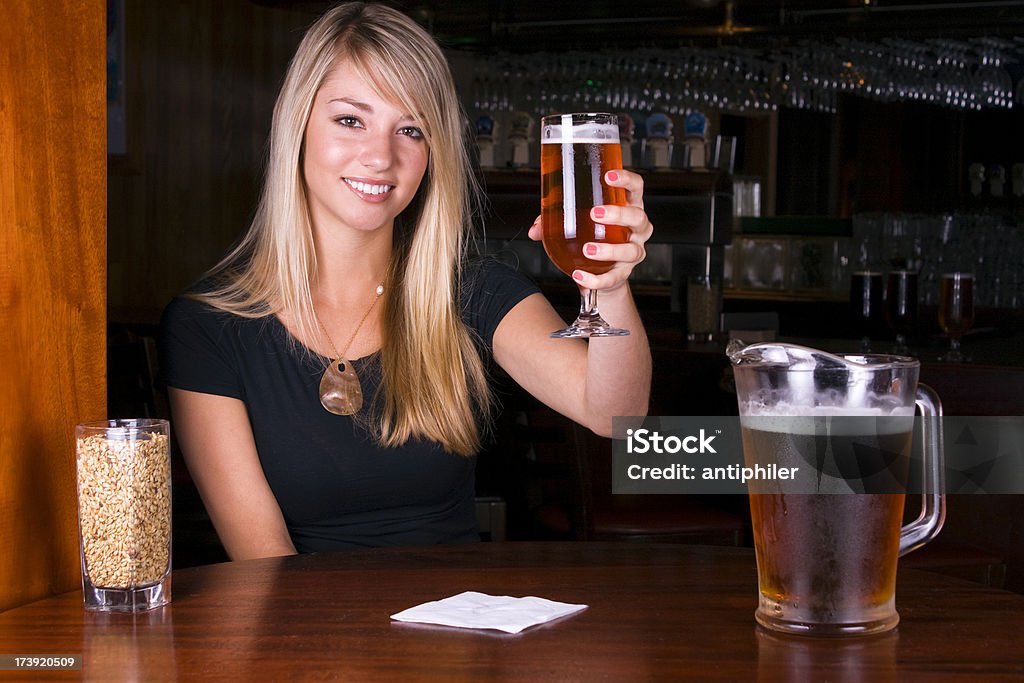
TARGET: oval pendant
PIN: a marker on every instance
(340, 391)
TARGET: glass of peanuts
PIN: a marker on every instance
(124, 513)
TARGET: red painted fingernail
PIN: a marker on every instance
(599, 212)
(612, 176)
(577, 275)
(590, 250)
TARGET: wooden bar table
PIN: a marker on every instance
(656, 612)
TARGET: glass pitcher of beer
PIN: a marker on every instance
(827, 548)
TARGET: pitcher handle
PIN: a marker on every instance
(933, 496)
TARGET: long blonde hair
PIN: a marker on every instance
(433, 381)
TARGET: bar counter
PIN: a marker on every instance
(656, 612)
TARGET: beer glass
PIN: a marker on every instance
(576, 151)
(866, 298)
(703, 304)
(827, 553)
(901, 306)
(956, 311)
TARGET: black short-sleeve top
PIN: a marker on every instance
(336, 488)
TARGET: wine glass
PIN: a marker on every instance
(901, 306)
(867, 291)
(956, 311)
(576, 151)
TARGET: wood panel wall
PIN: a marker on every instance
(203, 79)
(52, 281)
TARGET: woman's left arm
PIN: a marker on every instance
(588, 381)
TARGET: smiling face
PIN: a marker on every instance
(364, 157)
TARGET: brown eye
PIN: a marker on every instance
(348, 121)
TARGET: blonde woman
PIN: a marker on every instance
(326, 378)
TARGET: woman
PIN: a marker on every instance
(326, 376)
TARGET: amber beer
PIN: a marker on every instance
(573, 162)
(827, 559)
(827, 541)
(956, 303)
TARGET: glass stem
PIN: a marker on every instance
(588, 303)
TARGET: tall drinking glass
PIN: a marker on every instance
(901, 306)
(956, 310)
(124, 513)
(576, 152)
(866, 300)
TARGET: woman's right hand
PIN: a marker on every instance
(626, 256)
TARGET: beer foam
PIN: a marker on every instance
(805, 419)
(587, 134)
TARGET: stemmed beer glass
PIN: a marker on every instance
(576, 151)
(956, 311)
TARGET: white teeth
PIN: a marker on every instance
(367, 188)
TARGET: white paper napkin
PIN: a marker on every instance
(479, 610)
